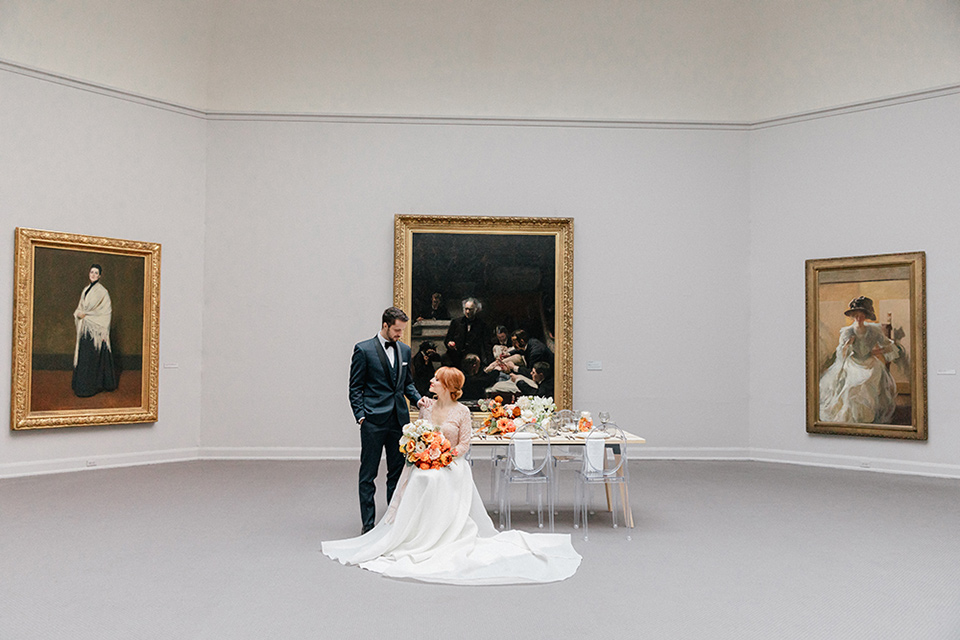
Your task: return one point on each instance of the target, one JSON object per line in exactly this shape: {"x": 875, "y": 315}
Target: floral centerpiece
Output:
{"x": 504, "y": 419}
{"x": 423, "y": 445}
{"x": 536, "y": 409}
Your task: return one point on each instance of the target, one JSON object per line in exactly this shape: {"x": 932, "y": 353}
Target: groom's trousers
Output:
{"x": 374, "y": 438}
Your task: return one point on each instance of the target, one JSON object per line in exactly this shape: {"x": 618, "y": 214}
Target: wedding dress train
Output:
{"x": 437, "y": 530}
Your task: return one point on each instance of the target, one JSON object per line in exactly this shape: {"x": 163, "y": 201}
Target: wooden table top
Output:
{"x": 562, "y": 439}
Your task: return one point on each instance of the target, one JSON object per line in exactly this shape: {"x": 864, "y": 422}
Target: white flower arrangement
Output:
{"x": 535, "y": 408}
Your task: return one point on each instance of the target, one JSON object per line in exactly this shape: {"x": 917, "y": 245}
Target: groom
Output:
{"x": 379, "y": 379}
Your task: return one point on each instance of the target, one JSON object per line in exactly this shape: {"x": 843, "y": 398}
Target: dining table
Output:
{"x": 571, "y": 439}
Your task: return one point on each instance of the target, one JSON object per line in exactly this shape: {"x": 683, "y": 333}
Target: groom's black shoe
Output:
{"x": 366, "y": 528}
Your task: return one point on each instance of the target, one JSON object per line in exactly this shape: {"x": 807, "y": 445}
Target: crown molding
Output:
{"x": 100, "y": 89}
{"x": 855, "y": 107}
{"x": 480, "y": 121}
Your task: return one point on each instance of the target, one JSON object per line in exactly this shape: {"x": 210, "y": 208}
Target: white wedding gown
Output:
{"x": 437, "y": 530}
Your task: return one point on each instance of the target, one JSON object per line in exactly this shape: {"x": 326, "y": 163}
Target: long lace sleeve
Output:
{"x": 465, "y": 431}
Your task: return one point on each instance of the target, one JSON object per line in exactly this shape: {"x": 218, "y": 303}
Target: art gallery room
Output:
{"x": 731, "y": 225}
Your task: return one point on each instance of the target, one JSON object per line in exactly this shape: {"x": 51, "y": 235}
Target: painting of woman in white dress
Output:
{"x": 858, "y": 386}
{"x": 93, "y": 365}
{"x": 866, "y": 346}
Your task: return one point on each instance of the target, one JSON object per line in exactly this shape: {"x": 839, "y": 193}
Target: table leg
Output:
{"x": 624, "y": 493}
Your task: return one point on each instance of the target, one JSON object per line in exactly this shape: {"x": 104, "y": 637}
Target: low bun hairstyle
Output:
{"x": 452, "y": 380}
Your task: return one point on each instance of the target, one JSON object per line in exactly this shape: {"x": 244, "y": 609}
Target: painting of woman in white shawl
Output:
{"x": 857, "y": 387}
{"x": 93, "y": 366}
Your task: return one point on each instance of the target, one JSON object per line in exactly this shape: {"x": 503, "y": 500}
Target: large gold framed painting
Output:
{"x": 86, "y": 331}
{"x": 491, "y": 296}
{"x": 866, "y": 346}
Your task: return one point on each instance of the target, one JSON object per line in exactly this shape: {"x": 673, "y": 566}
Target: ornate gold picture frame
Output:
{"x": 866, "y": 346}
{"x": 86, "y": 331}
{"x": 519, "y": 271}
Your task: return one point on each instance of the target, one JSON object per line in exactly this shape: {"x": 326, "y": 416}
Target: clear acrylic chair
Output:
{"x": 604, "y": 463}
{"x": 564, "y": 455}
{"x": 529, "y": 464}
{"x": 498, "y": 458}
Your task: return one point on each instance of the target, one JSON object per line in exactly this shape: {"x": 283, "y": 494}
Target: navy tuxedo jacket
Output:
{"x": 376, "y": 391}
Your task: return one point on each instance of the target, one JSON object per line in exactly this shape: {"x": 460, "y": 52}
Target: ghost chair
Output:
{"x": 604, "y": 463}
{"x": 529, "y": 464}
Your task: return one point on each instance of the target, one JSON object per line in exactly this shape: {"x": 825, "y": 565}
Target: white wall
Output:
{"x": 79, "y": 162}
{"x": 701, "y": 229}
{"x": 299, "y": 264}
{"x": 818, "y": 54}
{"x": 565, "y": 58}
{"x": 155, "y": 49}
{"x": 690, "y": 60}
{"x": 879, "y": 181}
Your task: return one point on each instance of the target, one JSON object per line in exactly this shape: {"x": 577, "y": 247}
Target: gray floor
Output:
{"x": 721, "y": 550}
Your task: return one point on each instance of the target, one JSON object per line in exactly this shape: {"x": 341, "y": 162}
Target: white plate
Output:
{"x": 584, "y": 434}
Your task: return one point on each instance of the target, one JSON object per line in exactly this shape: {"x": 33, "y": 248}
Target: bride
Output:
{"x": 436, "y": 528}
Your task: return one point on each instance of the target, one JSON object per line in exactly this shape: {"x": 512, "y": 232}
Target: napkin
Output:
{"x": 596, "y": 446}
{"x": 523, "y": 450}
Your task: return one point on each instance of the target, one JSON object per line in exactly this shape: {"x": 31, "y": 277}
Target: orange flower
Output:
{"x": 498, "y": 399}
{"x": 516, "y": 412}
{"x": 424, "y": 465}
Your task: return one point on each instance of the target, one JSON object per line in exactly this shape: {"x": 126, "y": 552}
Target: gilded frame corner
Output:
{"x": 407, "y": 226}
{"x": 904, "y": 271}
{"x": 23, "y": 415}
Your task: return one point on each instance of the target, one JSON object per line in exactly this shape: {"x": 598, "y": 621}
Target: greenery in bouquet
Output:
{"x": 424, "y": 446}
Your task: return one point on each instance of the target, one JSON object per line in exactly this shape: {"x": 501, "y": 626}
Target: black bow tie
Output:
{"x": 389, "y": 343}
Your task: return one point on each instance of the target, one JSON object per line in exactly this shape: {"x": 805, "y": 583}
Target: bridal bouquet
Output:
{"x": 423, "y": 445}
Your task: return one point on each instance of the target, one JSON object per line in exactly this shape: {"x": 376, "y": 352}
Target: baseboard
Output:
{"x": 636, "y": 452}
{"x": 858, "y": 463}
{"x": 643, "y": 452}
{"x": 94, "y": 462}
{"x": 279, "y": 453}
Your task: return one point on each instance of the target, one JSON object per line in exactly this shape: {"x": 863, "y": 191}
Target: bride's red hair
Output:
{"x": 452, "y": 380}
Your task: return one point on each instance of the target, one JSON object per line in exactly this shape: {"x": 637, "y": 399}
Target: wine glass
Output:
{"x": 604, "y": 417}
{"x": 551, "y": 425}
